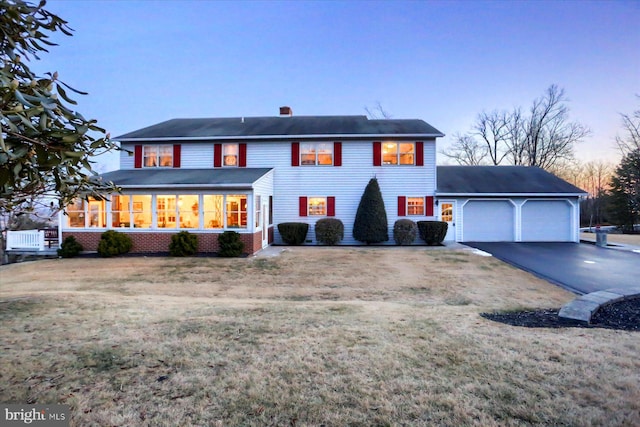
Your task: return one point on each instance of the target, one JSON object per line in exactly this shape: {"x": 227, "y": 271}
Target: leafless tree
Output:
{"x": 630, "y": 140}
{"x": 544, "y": 137}
{"x": 466, "y": 150}
{"x": 377, "y": 112}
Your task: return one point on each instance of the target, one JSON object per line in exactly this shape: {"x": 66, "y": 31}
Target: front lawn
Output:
{"x": 315, "y": 336}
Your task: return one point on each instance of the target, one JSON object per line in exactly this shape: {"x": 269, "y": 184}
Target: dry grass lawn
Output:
{"x": 315, "y": 336}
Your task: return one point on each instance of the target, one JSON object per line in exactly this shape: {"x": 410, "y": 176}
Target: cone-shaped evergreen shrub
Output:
{"x": 370, "y": 225}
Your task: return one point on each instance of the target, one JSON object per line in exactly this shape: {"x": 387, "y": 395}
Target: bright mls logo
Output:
{"x": 37, "y": 415}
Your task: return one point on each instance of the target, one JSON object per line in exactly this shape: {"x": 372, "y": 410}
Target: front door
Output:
{"x": 447, "y": 214}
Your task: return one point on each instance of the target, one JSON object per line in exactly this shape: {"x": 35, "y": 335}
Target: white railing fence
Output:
{"x": 25, "y": 239}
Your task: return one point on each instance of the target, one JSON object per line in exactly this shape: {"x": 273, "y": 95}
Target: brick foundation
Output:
{"x": 158, "y": 242}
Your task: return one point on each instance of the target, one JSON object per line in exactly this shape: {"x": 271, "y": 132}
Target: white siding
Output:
{"x": 196, "y": 155}
{"x": 346, "y": 183}
{"x": 488, "y": 221}
{"x": 533, "y": 220}
{"x": 547, "y": 221}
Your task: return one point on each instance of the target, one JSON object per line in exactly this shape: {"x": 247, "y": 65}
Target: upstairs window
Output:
{"x": 394, "y": 153}
{"x": 320, "y": 154}
{"x": 157, "y": 156}
{"x": 230, "y": 154}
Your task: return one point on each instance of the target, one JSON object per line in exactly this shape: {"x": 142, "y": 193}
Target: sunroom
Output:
{"x": 153, "y": 205}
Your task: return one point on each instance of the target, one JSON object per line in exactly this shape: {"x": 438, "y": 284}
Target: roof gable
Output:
{"x": 501, "y": 180}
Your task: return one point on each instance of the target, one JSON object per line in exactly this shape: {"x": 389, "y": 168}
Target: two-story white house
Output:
{"x": 248, "y": 174}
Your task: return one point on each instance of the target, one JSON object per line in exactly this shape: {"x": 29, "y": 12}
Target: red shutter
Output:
{"x": 331, "y": 206}
{"x": 337, "y": 154}
{"x": 137, "y": 157}
{"x": 419, "y": 153}
{"x": 402, "y": 206}
{"x": 242, "y": 154}
{"x": 217, "y": 155}
{"x": 377, "y": 153}
{"x": 295, "y": 154}
{"x": 429, "y": 205}
{"x": 176, "y": 155}
{"x": 302, "y": 206}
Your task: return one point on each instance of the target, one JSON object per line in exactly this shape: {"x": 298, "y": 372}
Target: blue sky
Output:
{"x": 144, "y": 62}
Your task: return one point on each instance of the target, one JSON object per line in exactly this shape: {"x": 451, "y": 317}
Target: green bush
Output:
{"x": 70, "y": 247}
{"x": 432, "y": 232}
{"x": 183, "y": 244}
{"x": 230, "y": 244}
{"x": 405, "y": 231}
{"x": 293, "y": 233}
{"x": 370, "y": 225}
{"x": 114, "y": 243}
{"x": 329, "y": 231}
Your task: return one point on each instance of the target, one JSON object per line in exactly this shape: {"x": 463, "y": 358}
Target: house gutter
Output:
{"x": 476, "y": 195}
{"x": 281, "y": 137}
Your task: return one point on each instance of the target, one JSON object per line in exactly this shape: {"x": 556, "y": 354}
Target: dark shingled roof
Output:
{"x": 501, "y": 180}
{"x": 159, "y": 177}
{"x": 280, "y": 126}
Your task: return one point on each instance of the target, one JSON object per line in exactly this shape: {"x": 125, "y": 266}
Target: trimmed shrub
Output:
{"x": 433, "y": 232}
{"x": 329, "y": 231}
{"x": 114, "y": 243}
{"x": 70, "y": 247}
{"x": 293, "y": 233}
{"x": 370, "y": 225}
{"x": 183, "y": 244}
{"x": 405, "y": 231}
{"x": 230, "y": 244}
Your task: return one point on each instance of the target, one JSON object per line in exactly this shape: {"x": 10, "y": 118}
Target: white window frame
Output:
{"x": 307, "y": 147}
{"x": 230, "y": 159}
{"x": 408, "y": 206}
{"x": 313, "y": 211}
{"x": 398, "y": 153}
{"x": 160, "y": 149}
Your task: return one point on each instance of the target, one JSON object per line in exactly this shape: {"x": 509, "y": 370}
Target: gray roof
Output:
{"x": 185, "y": 178}
{"x": 260, "y": 127}
{"x": 501, "y": 180}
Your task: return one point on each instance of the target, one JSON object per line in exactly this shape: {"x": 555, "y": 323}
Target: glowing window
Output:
{"x": 394, "y": 153}
{"x": 317, "y": 206}
{"x": 316, "y": 154}
{"x": 157, "y": 156}
{"x": 230, "y": 155}
{"x": 415, "y": 205}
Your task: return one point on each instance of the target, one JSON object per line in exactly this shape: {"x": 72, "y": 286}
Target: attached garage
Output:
{"x": 546, "y": 221}
{"x": 488, "y": 221}
{"x": 509, "y": 204}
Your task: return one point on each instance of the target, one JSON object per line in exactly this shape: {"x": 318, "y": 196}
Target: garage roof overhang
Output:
{"x": 493, "y": 195}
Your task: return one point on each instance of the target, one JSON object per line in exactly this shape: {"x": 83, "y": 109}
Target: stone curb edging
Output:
{"x": 585, "y": 306}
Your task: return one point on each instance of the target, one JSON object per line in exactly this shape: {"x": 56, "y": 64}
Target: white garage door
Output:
{"x": 488, "y": 221}
{"x": 546, "y": 221}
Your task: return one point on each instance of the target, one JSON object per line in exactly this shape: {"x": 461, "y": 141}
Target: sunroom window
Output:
{"x": 236, "y": 207}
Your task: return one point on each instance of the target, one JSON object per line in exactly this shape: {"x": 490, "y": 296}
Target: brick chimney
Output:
{"x": 286, "y": 111}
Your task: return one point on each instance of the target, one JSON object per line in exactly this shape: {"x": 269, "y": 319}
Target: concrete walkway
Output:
{"x": 584, "y": 307}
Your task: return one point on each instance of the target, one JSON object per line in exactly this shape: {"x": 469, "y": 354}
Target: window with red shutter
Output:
{"x": 402, "y": 206}
{"x": 337, "y": 154}
{"x": 176, "y": 155}
{"x": 429, "y": 205}
{"x": 295, "y": 154}
{"x": 217, "y": 155}
{"x": 377, "y": 153}
{"x": 137, "y": 156}
{"x": 242, "y": 153}
{"x": 419, "y": 153}
{"x": 331, "y": 206}
{"x": 302, "y": 206}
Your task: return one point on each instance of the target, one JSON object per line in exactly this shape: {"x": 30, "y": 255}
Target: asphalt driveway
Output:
{"x": 579, "y": 267}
